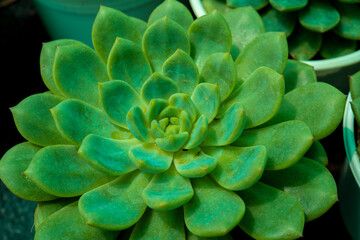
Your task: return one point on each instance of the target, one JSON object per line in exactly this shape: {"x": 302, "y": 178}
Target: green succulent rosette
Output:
{"x": 314, "y": 28}
{"x": 159, "y": 133}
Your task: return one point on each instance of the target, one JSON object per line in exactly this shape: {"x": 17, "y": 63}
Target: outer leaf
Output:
{"x": 168, "y": 190}
{"x": 315, "y": 190}
{"x": 349, "y": 25}
{"x": 53, "y": 227}
{"x": 60, "y": 171}
{"x": 245, "y": 24}
{"x": 34, "y": 120}
{"x": 160, "y": 225}
{"x": 198, "y": 134}
{"x": 327, "y": 107}
{"x": 182, "y": 70}
{"x": 238, "y": 168}
{"x": 213, "y": 211}
{"x": 158, "y": 86}
{"x": 110, "y": 24}
{"x": 127, "y": 62}
{"x": 304, "y": 44}
{"x": 209, "y": 34}
{"x": 335, "y": 46}
{"x": 264, "y": 89}
{"x": 47, "y": 59}
{"x": 13, "y": 164}
{"x": 317, "y": 152}
{"x": 77, "y": 70}
{"x": 206, "y": 98}
{"x": 162, "y": 39}
{"x": 194, "y": 163}
{"x": 175, "y": 11}
{"x": 116, "y": 205}
{"x": 297, "y": 73}
{"x": 263, "y": 205}
{"x": 275, "y": 57}
{"x": 285, "y": 5}
{"x": 285, "y": 142}
{"x": 257, "y": 4}
{"x": 276, "y": 21}
{"x": 108, "y": 155}
{"x": 75, "y": 120}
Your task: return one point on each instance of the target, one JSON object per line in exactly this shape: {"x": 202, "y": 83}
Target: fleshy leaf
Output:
{"x": 76, "y": 119}
{"x": 77, "y": 69}
{"x": 173, "y": 142}
{"x": 349, "y": 25}
{"x": 263, "y": 205}
{"x": 158, "y": 86}
{"x": 184, "y": 102}
{"x": 245, "y": 24}
{"x": 238, "y": 167}
{"x": 162, "y": 39}
{"x": 285, "y": 142}
{"x": 108, "y": 155}
{"x": 160, "y": 225}
{"x": 276, "y": 21}
{"x": 297, "y": 73}
{"x": 155, "y": 107}
{"x": 60, "y": 171}
{"x": 137, "y": 124}
{"x": 212, "y": 5}
{"x": 110, "y": 24}
{"x": 209, "y": 34}
{"x": 127, "y": 62}
{"x": 175, "y": 11}
{"x": 335, "y": 46}
{"x": 116, "y": 205}
{"x": 355, "y": 106}
{"x": 213, "y": 211}
{"x": 156, "y": 130}
{"x": 141, "y": 25}
{"x": 264, "y": 89}
{"x": 355, "y": 85}
{"x": 319, "y": 16}
{"x": 315, "y": 190}
{"x": 47, "y": 59}
{"x": 190, "y": 236}
{"x": 287, "y": 6}
{"x": 323, "y": 117}
{"x": 317, "y": 152}
{"x": 275, "y": 57}
{"x": 117, "y": 98}
{"x": 15, "y": 161}
{"x": 194, "y": 163}
{"x": 150, "y": 158}
{"x": 182, "y": 70}
{"x": 53, "y": 227}
{"x": 34, "y": 120}
{"x": 257, "y": 4}
{"x": 168, "y": 190}
{"x": 219, "y": 69}
{"x": 206, "y": 98}
{"x": 228, "y": 127}
{"x": 184, "y": 122}
{"x": 198, "y": 134}
{"x": 304, "y": 44}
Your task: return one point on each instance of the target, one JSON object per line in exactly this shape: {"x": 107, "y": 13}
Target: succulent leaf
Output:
{"x": 287, "y": 6}
{"x": 184, "y": 102}
{"x": 184, "y": 122}
{"x": 257, "y": 4}
{"x": 297, "y": 74}
{"x": 110, "y": 24}
{"x": 275, "y": 57}
{"x": 140, "y": 24}
{"x": 285, "y": 142}
{"x": 155, "y": 107}
{"x": 316, "y": 190}
{"x": 172, "y": 142}
{"x": 13, "y": 164}
{"x": 137, "y": 124}
{"x": 52, "y": 227}
{"x": 238, "y": 168}
{"x": 206, "y": 98}
{"x": 209, "y": 34}
{"x": 263, "y": 205}
{"x": 108, "y": 155}
{"x": 102, "y": 206}
{"x": 160, "y": 225}
{"x": 349, "y": 25}
{"x": 213, "y": 211}
{"x": 76, "y": 119}
{"x": 158, "y": 86}
{"x": 317, "y": 152}
{"x": 304, "y": 44}
{"x": 198, "y": 134}
{"x": 167, "y": 190}
{"x": 127, "y": 62}
{"x": 355, "y": 85}
{"x": 77, "y": 69}
{"x": 34, "y": 120}
{"x": 162, "y": 39}
{"x": 60, "y": 171}
{"x": 276, "y": 21}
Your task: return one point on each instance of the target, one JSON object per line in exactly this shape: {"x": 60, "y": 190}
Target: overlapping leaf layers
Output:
{"x": 331, "y": 28}
{"x": 160, "y": 129}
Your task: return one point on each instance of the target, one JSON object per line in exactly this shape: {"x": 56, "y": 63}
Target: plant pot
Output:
{"x": 349, "y": 184}
{"x": 73, "y": 19}
{"x": 334, "y": 71}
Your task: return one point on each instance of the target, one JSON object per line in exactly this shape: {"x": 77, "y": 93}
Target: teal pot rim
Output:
{"x": 319, "y": 65}
{"x": 349, "y": 140}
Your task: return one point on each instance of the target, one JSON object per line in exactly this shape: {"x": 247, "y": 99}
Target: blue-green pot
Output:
{"x": 74, "y": 18}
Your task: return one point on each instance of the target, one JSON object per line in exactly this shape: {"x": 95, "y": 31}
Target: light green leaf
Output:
{"x": 206, "y": 98}
{"x": 158, "y": 86}
{"x": 155, "y": 107}
{"x": 198, "y": 133}
{"x": 184, "y": 102}
{"x": 297, "y": 74}
{"x": 141, "y": 25}
{"x": 137, "y": 124}
{"x": 173, "y": 142}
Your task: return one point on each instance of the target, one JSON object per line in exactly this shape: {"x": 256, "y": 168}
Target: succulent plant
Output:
{"x": 160, "y": 133}
{"x": 355, "y": 103}
{"x": 330, "y": 28}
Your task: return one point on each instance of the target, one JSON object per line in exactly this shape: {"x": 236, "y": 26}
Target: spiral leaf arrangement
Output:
{"x": 331, "y": 28}
{"x": 160, "y": 133}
